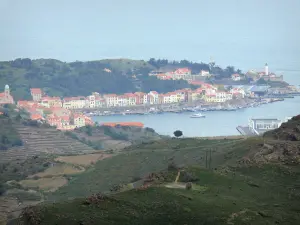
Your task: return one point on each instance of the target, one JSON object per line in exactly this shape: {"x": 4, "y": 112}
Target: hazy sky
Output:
{"x": 175, "y": 29}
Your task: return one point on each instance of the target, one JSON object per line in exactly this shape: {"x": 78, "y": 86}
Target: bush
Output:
{"x": 188, "y": 186}
{"x": 172, "y": 166}
{"x": 151, "y": 130}
{"x": 188, "y": 177}
{"x": 2, "y": 189}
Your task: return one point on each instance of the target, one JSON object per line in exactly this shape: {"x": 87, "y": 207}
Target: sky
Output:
{"x": 238, "y": 32}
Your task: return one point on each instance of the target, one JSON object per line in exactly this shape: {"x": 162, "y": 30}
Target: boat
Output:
{"x": 197, "y": 115}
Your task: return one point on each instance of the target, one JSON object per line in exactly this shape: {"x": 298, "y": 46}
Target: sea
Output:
{"x": 219, "y": 123}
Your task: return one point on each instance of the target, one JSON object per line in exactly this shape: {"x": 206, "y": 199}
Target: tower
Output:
{"x": 266, "y": 69}
{"x": 6, "y": 91}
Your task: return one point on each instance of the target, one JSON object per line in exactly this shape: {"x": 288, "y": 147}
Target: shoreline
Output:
{"x": 199, "y": 106}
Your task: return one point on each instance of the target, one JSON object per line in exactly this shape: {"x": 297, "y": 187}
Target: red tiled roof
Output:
{"x": 110, "y": 95}
{"x": 129, "y": 95}
{"x": 78, "y": 116}
{"x": 36, "y": 117}
{"x": 74, "y": 98}
{"x": 182, "y": 70}
{"x": 47, "y": 98}
{"x": 36, "y": 91}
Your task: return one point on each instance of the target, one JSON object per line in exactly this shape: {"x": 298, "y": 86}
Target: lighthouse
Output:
{"x": 266, "y": 69}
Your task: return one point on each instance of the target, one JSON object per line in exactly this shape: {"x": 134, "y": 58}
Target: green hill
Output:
{"x": 81, "y": 78}
{"x": 245, "y": 181}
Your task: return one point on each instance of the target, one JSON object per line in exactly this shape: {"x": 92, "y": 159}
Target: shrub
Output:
{"x": 2, "y": 189}
{"x": 188, "y": 177}
{"x": 172, "y": 166}
{"x": 148, "y": 129}
{"x": 188, "y": 186}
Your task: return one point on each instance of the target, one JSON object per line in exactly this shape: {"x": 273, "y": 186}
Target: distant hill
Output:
{"x": 104, "y": 76}
{"x": 81, "y": 78}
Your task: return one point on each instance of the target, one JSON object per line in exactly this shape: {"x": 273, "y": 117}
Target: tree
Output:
{"x": 261, "y": 81}
{"x": 178, "y": 133}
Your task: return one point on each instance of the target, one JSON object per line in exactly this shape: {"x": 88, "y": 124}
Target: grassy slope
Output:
{"x": 234, "y": 191}
{"x": 226, "y": 200}
{"x": 140, "y": 160}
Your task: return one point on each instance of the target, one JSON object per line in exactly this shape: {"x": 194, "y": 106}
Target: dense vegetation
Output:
{"x": 9, "y": 136}
{"x": 195, "y": 67}
{"x": 81, "y": 78}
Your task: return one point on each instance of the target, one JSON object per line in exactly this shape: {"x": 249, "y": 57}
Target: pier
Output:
{"x": 245, "y": 131}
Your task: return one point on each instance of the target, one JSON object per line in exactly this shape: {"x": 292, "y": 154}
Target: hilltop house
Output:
{"x": 5, "y": 97}
{"x": 36, "y": 94}
{"x": 205, "y": 73}
{"x": 236, "y": 77}
{"x": 181, "y": 73}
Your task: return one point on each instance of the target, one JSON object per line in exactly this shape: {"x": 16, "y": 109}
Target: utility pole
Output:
{"x": 206, "y": 159}
{"x": 210, "y": 159}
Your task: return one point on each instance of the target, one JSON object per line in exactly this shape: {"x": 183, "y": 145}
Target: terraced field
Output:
{"x": 37, "y": 141}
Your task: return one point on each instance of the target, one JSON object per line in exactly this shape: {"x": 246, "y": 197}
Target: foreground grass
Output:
{"x": 241, "y": 197}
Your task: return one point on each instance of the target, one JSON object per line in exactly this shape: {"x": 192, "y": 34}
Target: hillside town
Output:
{"x": 63, "y": 112}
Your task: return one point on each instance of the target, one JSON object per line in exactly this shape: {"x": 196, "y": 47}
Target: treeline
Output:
{"x": 118, "y": 76}
{"x": 196, "y": 67}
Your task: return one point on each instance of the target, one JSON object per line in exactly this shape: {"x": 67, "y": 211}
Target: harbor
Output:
{"x": 183, "y": 107}
{"x": 216, "y": 122}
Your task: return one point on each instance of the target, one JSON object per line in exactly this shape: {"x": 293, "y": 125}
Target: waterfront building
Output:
{"x": 90, "y": 101}
{"x": 261, "y": 125}
{"x": 131, "y": 99}
{"x": 259, "y": 90}
{"x": 5, "y": 97}
{"x": 220, "y": 96}
{"x": 99, "y": 102}
{"x": 153, "y": 98}
{"x": 111, "y": 100}
{"x": 74, "y": 102}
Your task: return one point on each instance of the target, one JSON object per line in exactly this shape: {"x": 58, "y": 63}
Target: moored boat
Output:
{"x": 197, "y": 115}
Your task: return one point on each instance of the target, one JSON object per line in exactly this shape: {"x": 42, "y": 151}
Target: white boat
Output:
{"x": 197, "y": 115}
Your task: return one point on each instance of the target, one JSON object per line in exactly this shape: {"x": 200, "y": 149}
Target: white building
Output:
{"x": 261, "y": 125}
{"x": 91, "y": 101}
{"x": 236, "y": 77}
